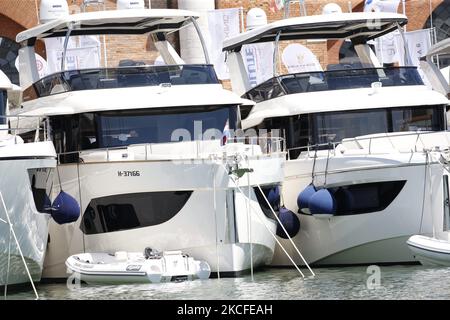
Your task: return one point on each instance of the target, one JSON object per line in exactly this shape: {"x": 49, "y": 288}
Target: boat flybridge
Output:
{"x": 147, "y": 150}
{"x": 367, "y": 146}
{"x": 27, "y": 178}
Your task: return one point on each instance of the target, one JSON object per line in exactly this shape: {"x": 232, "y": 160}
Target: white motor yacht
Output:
{"x": 148, "y": 153}
{"x": 26, "y": 169}
{"x": 366, "y": 142}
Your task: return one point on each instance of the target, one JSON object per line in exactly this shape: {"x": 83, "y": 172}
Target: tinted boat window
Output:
{"x": 122, "y": 128}
{"x": 336, "y": 126}
{"x": 131, "y": 211}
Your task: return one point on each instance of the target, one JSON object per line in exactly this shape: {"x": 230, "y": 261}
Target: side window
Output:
{"x": 131, "y": 211}
{"x": 65, "y": 131}
{"x": 88, "y": 132}
{"x": 366, "y": 198}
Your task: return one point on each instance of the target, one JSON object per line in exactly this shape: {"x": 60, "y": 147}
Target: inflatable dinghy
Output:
{"x": 430, "y": 251}
{"x": 126, "y": 267}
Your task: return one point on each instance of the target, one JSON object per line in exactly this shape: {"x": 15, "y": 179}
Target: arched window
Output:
{"x": 441, "y": 21}
{"x": 9, "y": 51}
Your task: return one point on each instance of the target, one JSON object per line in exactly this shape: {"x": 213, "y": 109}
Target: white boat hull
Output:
{"x": 430, "y": 251}
{"x": 214, "y": 232}
{"x": 30, "y": 225}
{"x": 369, "y": 238}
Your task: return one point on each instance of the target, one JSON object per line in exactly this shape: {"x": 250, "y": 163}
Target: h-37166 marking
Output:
{"x": 128, "y": 173}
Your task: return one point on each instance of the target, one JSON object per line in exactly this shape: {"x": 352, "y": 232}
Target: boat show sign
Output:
{"x": 298, "y": 58}
{"x": 222, "y": 24}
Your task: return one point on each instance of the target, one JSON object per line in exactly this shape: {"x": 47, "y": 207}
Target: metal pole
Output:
{"x": 275, "y": 53}
{"x": 215, "y": 220}
{"x": 404, "y": 11}
{"x": 268, "y": 229}
{"x": 285, "y": 231}
{"x": 241, "y": 10}
{"x": 66, "y": 43}
{"x": 202, "y": 40}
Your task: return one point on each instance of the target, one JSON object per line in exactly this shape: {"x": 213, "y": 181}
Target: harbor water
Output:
{"x": 385, "y": 282}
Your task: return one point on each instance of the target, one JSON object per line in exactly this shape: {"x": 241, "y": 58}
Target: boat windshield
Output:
{"x": 101, "y": 130}
{"x": 121, "y": 77}
{"x": 334, "y": 80}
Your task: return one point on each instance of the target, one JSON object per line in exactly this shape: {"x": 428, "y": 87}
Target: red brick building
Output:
{"x": 16, "y": 16}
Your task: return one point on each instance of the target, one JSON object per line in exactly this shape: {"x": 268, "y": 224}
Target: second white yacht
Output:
{"x": 367, "y": 143}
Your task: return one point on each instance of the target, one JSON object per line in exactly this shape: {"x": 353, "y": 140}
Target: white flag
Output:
{"x": 386, "y": 48}
{"x": 258, "y": 60}
{"x": 418, "y": 43}
{"x": 222, "y": 24}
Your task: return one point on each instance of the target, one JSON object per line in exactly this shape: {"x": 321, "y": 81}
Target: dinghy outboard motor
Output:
{"x": 65, "y": 209}
{"x": 149, "y": 253}
{"x": 290, "y": 222}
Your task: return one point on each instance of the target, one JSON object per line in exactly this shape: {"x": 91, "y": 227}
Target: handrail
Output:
{"x": 15, "y": 129}
{"x": 389, "y": 137}
{"x": 268, "y": 146}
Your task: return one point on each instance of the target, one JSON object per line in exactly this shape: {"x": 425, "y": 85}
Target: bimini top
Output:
{"x": 365, "y": 25}
{"x": 132, "y": 21}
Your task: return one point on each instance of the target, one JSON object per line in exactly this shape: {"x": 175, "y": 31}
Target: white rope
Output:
{"x": 215, "y": 222}
{"x": 18, "y": 245}
{"x": 268, "y": 229}
{"x": 431, "y": 194}
{"x": 249, "y": 221}
{"x": 287, "y": 234}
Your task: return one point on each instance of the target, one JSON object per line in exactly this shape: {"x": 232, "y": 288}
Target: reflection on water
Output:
{"x": 396, "y": 282}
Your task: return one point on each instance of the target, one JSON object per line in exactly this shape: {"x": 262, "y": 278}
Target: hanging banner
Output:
{"x": 381, "y": 5}
{"x": 258, "y": 60}
{"x": 82, "y": 53}
{"x": 298, "y": 58}
{"x": 418, "y": 43}
{"x": 386, "y": 48}
{"x": 222, "y": 24}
